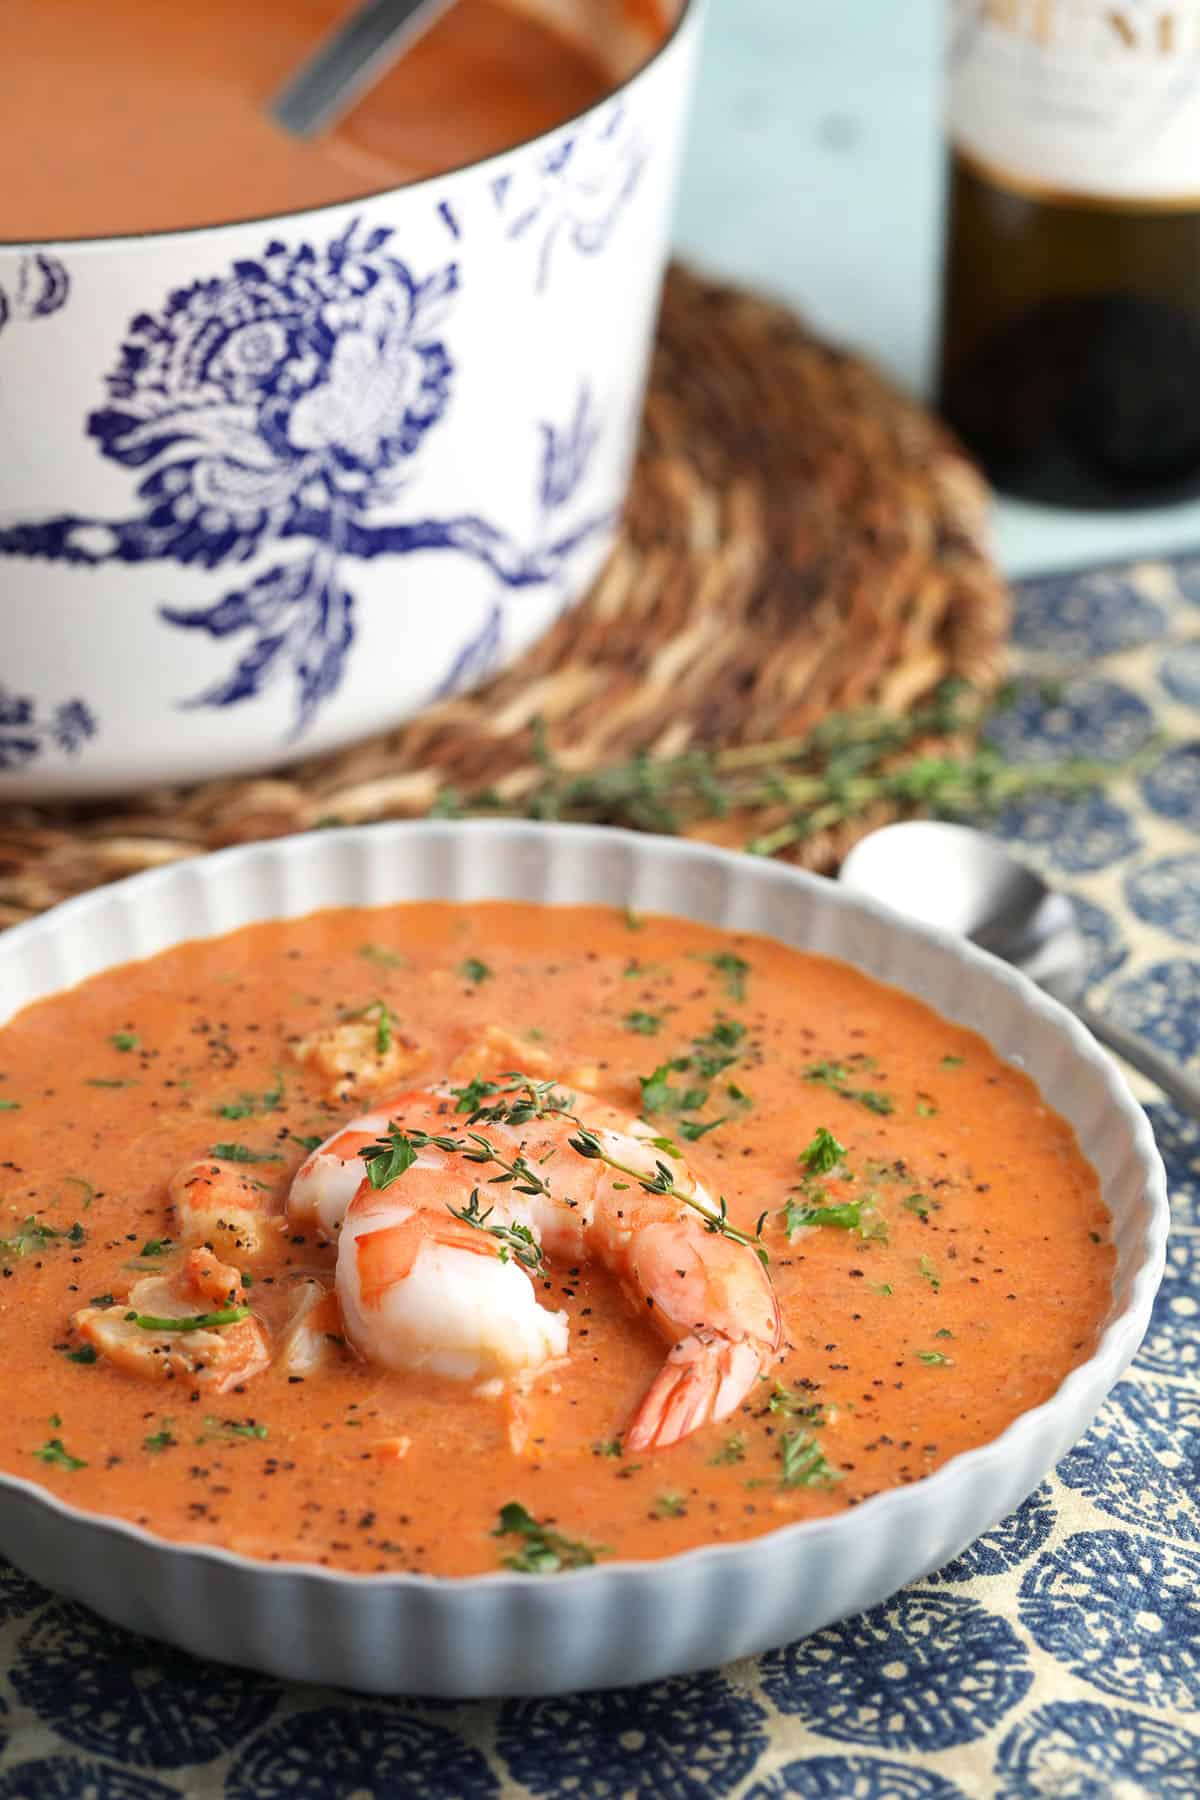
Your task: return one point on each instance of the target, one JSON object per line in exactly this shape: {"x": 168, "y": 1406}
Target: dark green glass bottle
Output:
{"x": 1070, "y": 345}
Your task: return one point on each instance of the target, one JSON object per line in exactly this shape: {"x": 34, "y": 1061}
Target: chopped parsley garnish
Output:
{"x": 232, "y": 1429}
{"x": 162, "y": 1439}
{"x": 543, "y": 1551}
{"x": 101, "y": 1082}
{"x": 247, "y": 1103}
{"x": 718, "y": 1050}
{"x": 306, "y": 1143}
{"x": 709, "y": 1056}
{"x": 786, "y": 1400}
{"x": 86, "y": 1354}
{"x": 209, "y": 1321}
{"x": 926, "y": 1109}
{"x": 881, "y": 1287}
{"x": 55, "y": 1453}
{"x": 733, "y": 1450}
{"x": 517, "y": 1241}
{"x": 474, "y": 971}
{"x": 669, "y": 1506}
{"x": 847, "y": 1215}
{"x": 691, "y": 1129}
{"x": 935, "y": 1358}
{"x": 102, "y": 1300}
{"x": 125, "y": 1040}
{"x": 610, "y": 1447}
{"x": 917, "y": 1203}
{"x": 929, "y": 1273}
{"x": 734, "y": 969}
{"x": 155, "y": 1247}
{"x": 943, "y": 1333}
{"x": 645, "y": 1024}
{"x": 823, "y": 1153}
{"x": 953, "y": 1062}
{"x": 381, "y": 956}
{"x": 10, "y": 1106}
{"x": 33, "y": 1234}
{"x": 242, "y": 1153}
{"x": 803, "y": 1462}
{"x": 658, "y": 1095}
{"x": 839, "y": 1078}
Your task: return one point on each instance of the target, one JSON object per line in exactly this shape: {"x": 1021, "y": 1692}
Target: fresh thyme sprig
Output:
{"x": 514, "y": 1240}
{"x": 586, "y": 1143}
{"x": 794, "y": 788}
{"x": 388, "y": 1158}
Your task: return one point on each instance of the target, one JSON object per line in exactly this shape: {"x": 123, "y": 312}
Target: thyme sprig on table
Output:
{"x": 791, "y": 789}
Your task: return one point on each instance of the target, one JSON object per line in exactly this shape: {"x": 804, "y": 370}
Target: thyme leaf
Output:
{"x": 515, "y": 1240}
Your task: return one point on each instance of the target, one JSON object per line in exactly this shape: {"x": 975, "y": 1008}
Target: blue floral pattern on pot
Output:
{"x": 41, "y": 286}
{"x": 25, "y": 732}
{"x": 576, "y": 191}
{"x": 1058, "y": 1655}
{"x": 283, "y": 406}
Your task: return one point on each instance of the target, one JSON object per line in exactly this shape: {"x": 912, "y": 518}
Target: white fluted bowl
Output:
{"x": 615, "y": 1623}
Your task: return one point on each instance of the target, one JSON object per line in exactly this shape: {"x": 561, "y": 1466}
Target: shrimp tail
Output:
{"x": 704, "y": 1378}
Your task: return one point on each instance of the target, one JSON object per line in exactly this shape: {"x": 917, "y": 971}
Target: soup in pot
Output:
{"x": 123, "y": 116}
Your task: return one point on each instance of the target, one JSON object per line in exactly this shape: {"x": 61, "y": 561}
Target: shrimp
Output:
{"x": 326, "y": 1181}
{"x": 218, "y": 1204}
{"x": 221, "y": 1353}
{"x": 431, "y": 1274}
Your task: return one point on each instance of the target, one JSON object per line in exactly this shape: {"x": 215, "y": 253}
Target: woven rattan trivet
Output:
{"x": 800, "y": 539}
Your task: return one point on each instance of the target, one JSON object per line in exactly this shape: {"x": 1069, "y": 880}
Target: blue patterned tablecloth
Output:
{"x": 1058, "y": 1657}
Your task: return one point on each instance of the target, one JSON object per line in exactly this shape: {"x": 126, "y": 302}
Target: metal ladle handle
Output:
{"x": 350, "y": 59}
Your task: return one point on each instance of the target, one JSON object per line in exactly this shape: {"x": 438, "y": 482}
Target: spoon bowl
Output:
{"x": 964, "y": 881}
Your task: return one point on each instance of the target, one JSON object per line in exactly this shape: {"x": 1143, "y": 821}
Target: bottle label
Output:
{"x": 1083, "y": 100}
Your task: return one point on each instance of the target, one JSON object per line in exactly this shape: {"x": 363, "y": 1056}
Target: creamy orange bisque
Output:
{"x": 458, "y": 1238}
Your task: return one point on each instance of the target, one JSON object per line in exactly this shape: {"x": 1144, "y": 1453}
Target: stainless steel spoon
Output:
{"x": 354, "y": 55}
{"x": 966, "y": 881}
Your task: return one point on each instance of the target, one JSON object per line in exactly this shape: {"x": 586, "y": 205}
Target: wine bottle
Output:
{"x": 1070, "y": 351}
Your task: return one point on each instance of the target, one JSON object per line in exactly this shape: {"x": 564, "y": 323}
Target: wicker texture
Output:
{"x": 799, "y": 539}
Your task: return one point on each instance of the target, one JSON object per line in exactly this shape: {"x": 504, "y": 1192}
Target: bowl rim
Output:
{"x": 689, "y": 11}
{"x": 1117, "y": 1344}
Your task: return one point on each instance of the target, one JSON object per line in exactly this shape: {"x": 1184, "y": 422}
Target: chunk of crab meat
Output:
{"x": 308, "y": 1337}
{"x": 217, "y": 1203}
{"x": 355, "y": 1057}
{"x": 500, "y": 1052}
{"x": 219, "y": 1356}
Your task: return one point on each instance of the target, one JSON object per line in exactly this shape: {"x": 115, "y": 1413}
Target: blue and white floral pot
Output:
{"x": 269, "y": 487}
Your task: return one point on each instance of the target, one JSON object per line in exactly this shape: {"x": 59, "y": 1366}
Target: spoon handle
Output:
{"x": 356, "y": 53}
{"x": 1183, "y": 1089}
